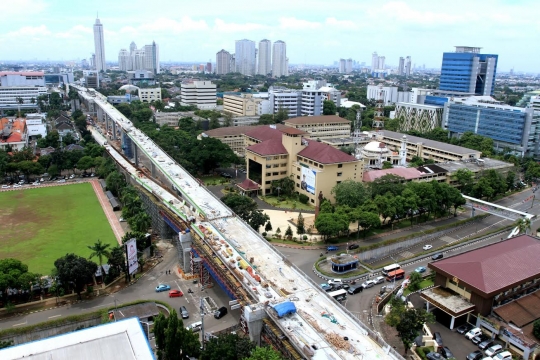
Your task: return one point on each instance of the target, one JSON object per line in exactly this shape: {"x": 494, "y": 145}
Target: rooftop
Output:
{"x": 228, "y": 131}
{"x": 248, "y": 185}
{"x": 481, "y": 268}
{"x": 266, "y": 132}
{"x": 22, "y": 73}
{"x": 323, "y": 119}
{"x": 521, "y": 311}
{"x": 474, "y": 166}
{"x": 123, "y": 339}
{"x": 324, "y": 153}
{"x": 447, "y": 299}
{"x": 429, "y": 143}
{"x": 268, "y": 147}
{"x": 407, "y": 173}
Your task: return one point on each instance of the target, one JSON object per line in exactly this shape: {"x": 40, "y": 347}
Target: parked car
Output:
{"x": 353, "y": 246}
{"x": 472, "y": 333}
{"x": 367, "y": 284}
{"x": 486, "y": 344}
{"x": 438, "y": 339}
{"x": 446, "y": 353}
{"x": 505, "y": 355}
{"x": 420, "y": 269}
{"x": 437, "y": 256}
{"x": 463, "y": 329}
{"x": 5, "y": 186}
{"x": 71, "y": 176}
{"x": 434, "y": 356}
{"x": 61, "y": 181}
{"x": 122, "y": 219}
{"x": 196, "y": 326}
{"x": 36, "y": 183}
{"x": 17, "y": 185}
{"x": 325, "y": 286}
{"x": 162, "y": 287}
{"x": 427, "y": 247}
{"x": 332, "y": 248}
{"x": 226, "y": 175}
{"x": 379, "y": 279}
{"x": 475, "y": 355}
{"x": 479, "y": 338}
{"x": 175, "y": 293}
{"x": 355, "y": 290}
{"x": 335, "y": 281}
{"x": 221, "y": 312}
{"x": 184, "y": 312}
{"x": 494, "y": 350}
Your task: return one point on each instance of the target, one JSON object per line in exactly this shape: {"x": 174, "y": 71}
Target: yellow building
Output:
{"x": 241, "y": 105}
{"x": 274, "y": 152}
{"x": 322, "y": 127}
{"x": 232, "y": 136}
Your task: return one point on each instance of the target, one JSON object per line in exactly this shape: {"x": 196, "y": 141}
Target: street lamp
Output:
{"x": 278, "y": 188}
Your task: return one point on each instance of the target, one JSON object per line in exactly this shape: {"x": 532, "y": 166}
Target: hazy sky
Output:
{"x": 316, "y": 31}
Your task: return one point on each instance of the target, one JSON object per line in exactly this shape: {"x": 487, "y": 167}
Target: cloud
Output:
{"x": 341, "y": 24}
{"x": 29, "y": 31}
{"x": 76, "y": 32}
{"x": 291, "y": 23}
{"x": 22, "y": 8}
{"x": 222, "y": 26}
{"x": 165, "y": 25}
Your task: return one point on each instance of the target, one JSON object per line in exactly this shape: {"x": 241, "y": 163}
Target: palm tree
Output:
{"x": 523, "y": 225}
{"x": 20, "y": 101}
{"x": 100, "y": 251}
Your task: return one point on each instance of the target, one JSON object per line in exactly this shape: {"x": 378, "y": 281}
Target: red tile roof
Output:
{"x": 249, "y": 184}
{"x": 522, "y": 311}
{"x": 324, "y": 154}
{"x": 322, "y": 119}
{"x": 266, "y": 132}
{"x": 268, "y": 147}
{"x": 292, "y": 131}
{"x": 228, "y": 131}
{"x": 496, "y": 267}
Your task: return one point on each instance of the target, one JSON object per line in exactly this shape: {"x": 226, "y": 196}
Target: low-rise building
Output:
{"x": 232, "y": 136}
{"x": 199, "y": 93}
{"x": 36, "y": 125}
{"x": 64, "y": 126}
{"x": 241, "y": 105}
{"x": 13, "y": 134}
{"x": 321, "y": 127}
{"x": 288, "y": 99}
{"x": 150, "y": 94}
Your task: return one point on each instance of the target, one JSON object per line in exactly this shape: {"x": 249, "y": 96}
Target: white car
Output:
{"x": 472, "y": 333}
{"x": 495, "y": 349}
{"x": 61, "y": 181}
{"x": 427, "y": 247}
{"x": 5, "y": 186}
{"x": 367, "y": 284}
{"x": 505, "y": 355}
{"x": 17, "y": 186}
{"x": 72, "y": 176}
{"x": 36, "y": 183}
{"x": 335, "y": 281}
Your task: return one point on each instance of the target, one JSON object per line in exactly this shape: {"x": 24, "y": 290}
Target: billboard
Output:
{"x": 308, "y": 180}
{"x": 131, "y": 251}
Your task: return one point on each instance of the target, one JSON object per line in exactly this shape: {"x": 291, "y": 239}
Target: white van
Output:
{"x": 379, "y": 279}
{"x": 196, "y": 326}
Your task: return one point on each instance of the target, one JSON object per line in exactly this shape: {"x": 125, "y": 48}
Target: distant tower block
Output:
{"x": 378, "y": 119}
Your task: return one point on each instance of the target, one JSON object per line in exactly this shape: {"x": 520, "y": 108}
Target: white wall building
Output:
{"x": 150, "y": 94}
{"x": 199, "y": 93}
{"x": 151, "y": 58}
{"x": 124, "y": 60}
{"x": 289, "y": 99}
{"x": 408, "y": 66}
{"x": 265, "y": 57}
{"x": 99, "y": 46}
{"x": 36, "y": 125}
{"x": 223, "y": 62}
{"x": 9, "y": 95}
{"x": 279, "y": 59}
{"x": 389, "y": 94}
{"x": 314, "y": 93}
{"x": 342, "y": 66}
{"x": 245, "y": 57}
{"x": 24, "y": 78}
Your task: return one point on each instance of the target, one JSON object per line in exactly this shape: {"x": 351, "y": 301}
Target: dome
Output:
{"x": 129, "y": 88}
{"x": 375, "y": 146}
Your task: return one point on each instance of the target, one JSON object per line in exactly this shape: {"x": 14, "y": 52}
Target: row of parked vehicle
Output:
{"x": 489, "y": 348}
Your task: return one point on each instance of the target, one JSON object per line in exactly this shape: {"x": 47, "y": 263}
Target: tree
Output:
{"x": 329, "y": 108}
{"x": 115, "y": 181}
{"x": 257, "y": 219}
{"x": 387, "y": 183}
{"x": 266, "y": 119}
{"x": 330, "y": 224}
{"x": 288, "y": 233}
{"x": 228, "y": 347}
{"x": 414, "y": 281}
{"x": 76, "y": 270}
{"x": 300, "y": 230}
{"x": 117, "y": 261}
{"x": 173, "y": 340}
{"x": 264, "y": 353}
{"x": 140, "y": 222}
{"x": 465, "y": 180}
{"x": 85, "y": 163}
{"x": 241, "y": 205}
{"x": 281, "y": 115}
{"x": 351, "y": 193}
{"x": 268, "y": 227}
{"x": 536, "y": 329}
{"x": 523, "y": 225}
{"x": 100, "y": 250}
{"x": 411, "y": 323}
{"x": 13, "y": 274}
{"x": 387, "y": 165}
{"x": 366, "y": 220}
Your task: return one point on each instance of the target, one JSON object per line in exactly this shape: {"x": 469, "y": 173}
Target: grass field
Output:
{"x": 39, "y": 225}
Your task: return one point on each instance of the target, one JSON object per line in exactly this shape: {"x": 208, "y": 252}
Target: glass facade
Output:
{"x": 435, "y": 100}
{"x": 497, "y": 124}
{"x": 468, "y": 72}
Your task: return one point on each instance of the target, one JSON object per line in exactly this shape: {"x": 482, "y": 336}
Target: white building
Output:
{"x": 289, "y": 99}
{"x": 199, "y": 93}
{"x": 124, "y": 60}
{"x": 342, "y": 66}
{"x": 279, "y": 59}
{"x": 245, "y": 57}
{"x": 314, "y": 93}
{"x": 99, "y": 45}
{"x": 36, "y": 125}
{"x": 223, "y": 62}
{"x": 348, "y": 66}
{"x": 24, "y": 78}
{"x": 24, "y": 85}
{"x": 408, "y": 66}
{"x": 137, "y": 60}
{"x": 151, "y": 58}
{"x": 149, "y": 95}
{"x": 388, "y": 94}
{"x": 132, "y": 47}
{"x": 263, "y": 106}
{"x": 265, "y": 57}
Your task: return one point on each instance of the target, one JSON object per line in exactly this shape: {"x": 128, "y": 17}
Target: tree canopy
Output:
{"x": 75, "y": 270}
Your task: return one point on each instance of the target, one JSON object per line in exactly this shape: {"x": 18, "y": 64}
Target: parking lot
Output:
{"x": 457, "y": 343}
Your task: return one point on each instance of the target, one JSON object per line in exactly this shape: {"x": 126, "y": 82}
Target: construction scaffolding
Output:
{"x": 273, "y": 336}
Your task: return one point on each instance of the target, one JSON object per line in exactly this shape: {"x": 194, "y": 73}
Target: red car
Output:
{"x": 175, "y": 293}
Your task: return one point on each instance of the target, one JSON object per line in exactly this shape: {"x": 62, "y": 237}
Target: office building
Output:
{"x": 99, "y": 46}
{"x": 321, "y": 127}
{"x": 150, "y": 94}
{"x": 124, "y": 60}
{"x": 418, "y": 117}
{"x": 132, "y": 47}
{"x": 241, "y": 105}
{"x": 510, "y": 127}
{"x": 265, "y": 57}
{"x": 466, "y": 70}
{"x": 388, "y": 94}
{"x": 314, "y": 93}
{"x": 137, "y": 60}
{"x": 245, "y": 57}
{"x": 283, "y": 98}
{"x": 223, "y": 62}
{"x": 151, "y": 58}
{"x": 342, "y": 66}
{"x": 27, "y": 86}
{"x": 24, "y": 78}
{"x": 408, "y": 66}
{"x": 279, "y": 59}
{"x": 348, "y": 66}
{"x": 401, "y": 67}
{"x": 199, "y": 93}
{"x": 233, "y": 136}
{"x": 36, "y": 125}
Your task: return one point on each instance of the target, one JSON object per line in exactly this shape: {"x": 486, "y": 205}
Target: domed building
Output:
{"x": 375, "y": 153}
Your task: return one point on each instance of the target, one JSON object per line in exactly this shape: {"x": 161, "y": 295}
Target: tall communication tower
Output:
{"x": 378, "y": 119}
{"x": 357, "y": 131}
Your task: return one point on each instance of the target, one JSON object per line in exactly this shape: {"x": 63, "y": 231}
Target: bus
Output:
{"x": 339, "y": 295}
{"x": 395, "y": 275}
{"x": 390, "y": 268}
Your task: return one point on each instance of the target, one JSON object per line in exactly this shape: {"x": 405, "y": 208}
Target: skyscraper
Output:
{"x": 265, "y": 57}
{"x": 99, "y": 45}
{"x": 245, "y": 57}
{"x": 374, "y": 62}
{"x": 408, "y": 66}
{"x": 466, "y": 70}
{"x": 124, "y": 60}
{"x": 342, "y": 66}
{"x": 401, "y": 66}
{"x": 223, "y": 62}
{"x": 151, "y": 58}
{"x": 132, "y": 47}
{"x": 348, "y": 66}
{"x": 279, "y": 59}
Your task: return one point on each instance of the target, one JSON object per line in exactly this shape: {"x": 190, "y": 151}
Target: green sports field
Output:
{"x": 39, "y": 225}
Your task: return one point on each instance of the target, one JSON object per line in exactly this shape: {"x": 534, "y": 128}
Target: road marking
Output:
{"x": 50, "y": 317}
{"x": 93, "y": 307}
{"x": 24, "y": 323}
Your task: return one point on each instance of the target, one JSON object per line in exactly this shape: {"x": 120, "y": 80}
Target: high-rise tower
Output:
{"x": 99, "y": 45}
{"x": 279, "y": 59}
{"x": 151, "y": 58}
{"x": 265, "y": 57}
{"x": 223, "y": 62}
{"x": 124, "y": 60}
{"x": 245, "y": 57}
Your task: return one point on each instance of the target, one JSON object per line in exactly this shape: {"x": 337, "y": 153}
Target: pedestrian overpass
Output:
{"x": 497, "y": 210}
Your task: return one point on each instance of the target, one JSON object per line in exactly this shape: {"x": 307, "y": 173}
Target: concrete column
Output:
{"x": 427, "y": 306}
{"x": 114, "y": 130}
{"x": 254, "y": 319}
{"x": 452, "y": 323}
{"x": 106, "y": 124}
{"x": 135, "y": 154}
{"x": 153, "y": 170}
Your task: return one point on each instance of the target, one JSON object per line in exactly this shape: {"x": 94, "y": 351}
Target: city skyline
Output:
{"x": 39, "y": 29}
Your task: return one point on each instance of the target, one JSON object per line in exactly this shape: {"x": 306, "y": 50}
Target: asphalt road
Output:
{"x": 144, "y": 289}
